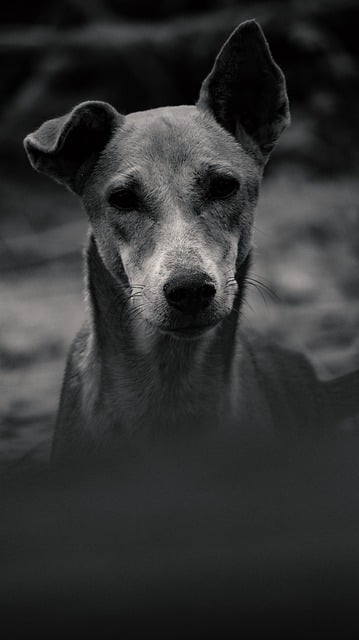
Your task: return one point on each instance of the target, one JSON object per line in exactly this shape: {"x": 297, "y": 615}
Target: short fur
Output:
{"x": 161, "y": 353}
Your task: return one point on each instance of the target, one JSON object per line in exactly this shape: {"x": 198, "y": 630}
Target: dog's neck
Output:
{"x": 139, "y": 363}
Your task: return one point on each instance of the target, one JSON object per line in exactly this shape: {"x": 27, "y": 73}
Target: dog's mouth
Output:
{"x": 191, "y": 324}
{"x": 191, "y": 328}
{"x": 190, "y": 332}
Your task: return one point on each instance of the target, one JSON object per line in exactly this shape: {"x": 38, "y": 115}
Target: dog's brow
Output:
{"x": 219, "y": 167}
{"x": 123, "y": 180}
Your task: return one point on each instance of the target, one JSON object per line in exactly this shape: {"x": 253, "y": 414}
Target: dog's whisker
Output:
{"x": 136, "y": 313}
{"x": 231, "y": 282}
{"x": 126, "y": 304}
{"x": 270, "y": 293}
{"x": 265, "y": 233}
{"x": 238, "y": 310}
{"x": 261, "y": 293}
{"x": 265, "y": 288}
{"x": 261, "y": 279}
{"x": 245, "y": 302}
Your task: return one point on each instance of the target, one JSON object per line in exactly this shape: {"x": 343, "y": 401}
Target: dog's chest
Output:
{"x": 161, "y": 397}
{"x": 172, "y": 395}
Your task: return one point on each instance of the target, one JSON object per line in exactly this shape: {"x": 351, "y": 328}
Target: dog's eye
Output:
{"x": 124, "y": 199}
{"x": 222, "y": 187}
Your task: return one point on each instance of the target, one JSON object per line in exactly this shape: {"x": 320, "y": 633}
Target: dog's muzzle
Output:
{"x": 189, "y": 293}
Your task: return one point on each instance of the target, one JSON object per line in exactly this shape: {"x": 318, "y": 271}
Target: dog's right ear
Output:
{"x": 67, "y": 147}
{"x": 246, "y": 91}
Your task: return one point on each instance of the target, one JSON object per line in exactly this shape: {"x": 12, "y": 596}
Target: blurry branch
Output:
{"x": 107, "y": 33}
{"x": 92, "y": 10}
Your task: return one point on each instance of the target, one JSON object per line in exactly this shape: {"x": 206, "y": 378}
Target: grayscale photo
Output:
{"x": 179, "y": 327}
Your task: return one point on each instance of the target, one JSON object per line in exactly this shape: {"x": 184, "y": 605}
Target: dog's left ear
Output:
{"x": 246, "y": 91}
{"x": 66, "y": 148}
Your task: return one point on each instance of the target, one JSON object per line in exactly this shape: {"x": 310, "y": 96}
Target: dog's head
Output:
{"x": 170, "y": 192}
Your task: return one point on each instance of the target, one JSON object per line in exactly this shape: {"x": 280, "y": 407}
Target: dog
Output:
{"x": 170, "y": 194}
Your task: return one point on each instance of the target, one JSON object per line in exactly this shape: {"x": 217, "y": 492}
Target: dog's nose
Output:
{"x": 189, "y": 293}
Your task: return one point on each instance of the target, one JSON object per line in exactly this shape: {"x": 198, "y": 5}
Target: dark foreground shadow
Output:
{"x": 212, "y": 539}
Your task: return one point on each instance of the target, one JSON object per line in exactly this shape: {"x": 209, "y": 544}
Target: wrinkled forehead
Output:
{"x": 173, "y": 139}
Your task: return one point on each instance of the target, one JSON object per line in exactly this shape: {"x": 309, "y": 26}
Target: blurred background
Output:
{"x": 259, "y": 536}
{"x": 138, "y": 55}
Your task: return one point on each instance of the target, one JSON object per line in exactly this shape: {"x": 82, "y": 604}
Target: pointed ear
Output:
{"x": 246, "y": 91}
{"x": 66, "y": 148}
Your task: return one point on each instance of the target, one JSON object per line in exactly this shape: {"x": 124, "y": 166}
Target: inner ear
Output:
{"x": 246, "y": 91}
{"x": 85, "y": 136}
{"x": 66, "y": 148}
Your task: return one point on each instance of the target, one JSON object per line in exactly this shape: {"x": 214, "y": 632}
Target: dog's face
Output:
{"x": 170, "y": 192}
{"x": 171, "y": 201}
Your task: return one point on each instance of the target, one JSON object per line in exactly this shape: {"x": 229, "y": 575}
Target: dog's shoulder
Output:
{"x": 79, "y": 393}
{"x": 288, "y": 384}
